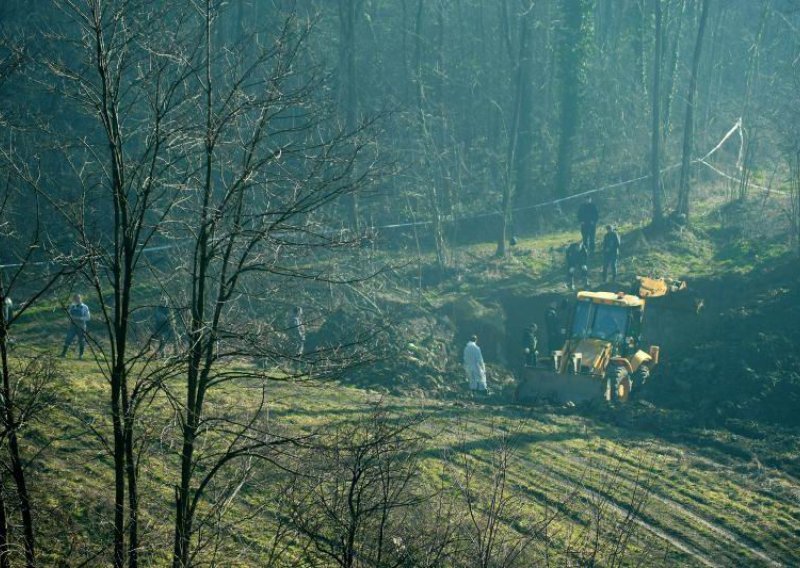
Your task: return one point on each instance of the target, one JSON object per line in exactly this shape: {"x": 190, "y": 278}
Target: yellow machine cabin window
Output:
{"x": 600, "y": 321}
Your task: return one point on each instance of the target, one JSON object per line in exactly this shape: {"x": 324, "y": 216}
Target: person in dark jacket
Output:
{"x": 577, "y": 263}
{"x": 530, "y": 345}
{"x": 164, "y": 328}
{"x": 588, "y": 217}
{"x": 611, "y": 244}
{"x": 553, "y": 324}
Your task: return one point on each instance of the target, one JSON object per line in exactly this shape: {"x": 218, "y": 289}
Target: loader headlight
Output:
{"x": 577, "y": 358}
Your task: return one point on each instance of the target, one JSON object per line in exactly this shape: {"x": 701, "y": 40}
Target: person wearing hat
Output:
{"x": 611, "y": 244}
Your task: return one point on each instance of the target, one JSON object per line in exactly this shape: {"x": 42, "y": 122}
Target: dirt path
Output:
{"x": 716, "y": 546}
{"x": 624, "y": 512}
{"x": 682, "y": 511}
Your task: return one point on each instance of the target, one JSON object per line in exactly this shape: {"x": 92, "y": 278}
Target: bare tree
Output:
{"x": 496, "y": 529}
{"x": 27, "y": 274}
{"x": 349, "y": 11}
{"x": 573, "y": 50}
{"x": 518, "y": 144}
{"x": 688, "y": 128}
{"x": 266, "y": 176}
{"x": 655, "y": 148}
{"x": 351, "y": 501}
{"x": 127, "y": 81}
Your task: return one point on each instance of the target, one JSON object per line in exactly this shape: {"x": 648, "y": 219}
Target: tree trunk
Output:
{"x": 688, "y": 129}
{"x": 10, "y": 423}
{"x": 513, "y": 140}
{"x": 523, "y": 155}
{"x": 4, "y": 549}
{"x": 197, "y": 332}
{"x": 573, "y": 51}
{"x": 119, "y": 470}
{"x": 669, "y": 88}
{"x": 655, "y": 150}
{"x": 122, "y": 274}
{"x": 429, "y": 146}
{"x": 131, "y": 475}
{"x": 348, "y": 95}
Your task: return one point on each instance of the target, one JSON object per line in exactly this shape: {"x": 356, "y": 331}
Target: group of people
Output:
{"x": 555, "y": 327}
{"x": 163, "y": 328}
{"x": 577, "y": 255}
{"x": 79, "y": 316}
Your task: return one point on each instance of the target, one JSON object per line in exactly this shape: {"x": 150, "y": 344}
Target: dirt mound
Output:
{"x": 741, "y": 359}
{"x": 409, "y": 346}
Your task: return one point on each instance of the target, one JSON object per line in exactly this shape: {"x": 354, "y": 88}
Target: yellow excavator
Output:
{"x": 602, "y": 356}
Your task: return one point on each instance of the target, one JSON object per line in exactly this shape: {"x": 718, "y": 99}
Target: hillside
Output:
{"x": 703, "y": 470}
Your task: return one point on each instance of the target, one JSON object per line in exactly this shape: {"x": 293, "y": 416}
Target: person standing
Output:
{"x": 611, "y": 245}
{"x": 577, "y": 263}
{"x": 8, "y": 309}
{"x": 553, "y": 325}
{"x": 474, "y": 366}
{"x": 297, "y": 331}
{"x": 79, "y": 317}
{"x": 164, "y": 327}
{"x": 588, "y": 217}
{"x": 530, "y": 345}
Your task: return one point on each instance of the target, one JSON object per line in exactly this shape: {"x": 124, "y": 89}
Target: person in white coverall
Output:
{"x": 474, "y": 366}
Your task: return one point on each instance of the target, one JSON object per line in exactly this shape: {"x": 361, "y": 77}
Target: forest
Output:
{"x": 304, "y": 283}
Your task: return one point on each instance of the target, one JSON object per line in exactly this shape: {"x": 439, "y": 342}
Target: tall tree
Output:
{"x": 655, "y": 148}
{"x": 270, "y": 168}
{"x": 573, "y": 51}
{"x": 688, "y": 128}
{"x": 431, "y": 146}
{"x": 675, "y": 56}
{"x": 519, "y": 143}
{"x": 131, "y": 135}
{"x": 348, "y": 81}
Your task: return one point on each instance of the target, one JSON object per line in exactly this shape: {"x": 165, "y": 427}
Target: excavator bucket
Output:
{"x": 667, "y": 294}
{"x": 657, "y": 287}
{"x": 542, "y": 384}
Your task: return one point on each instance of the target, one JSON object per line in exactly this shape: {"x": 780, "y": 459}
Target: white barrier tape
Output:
{"x": 736, "y": 127}
{"x": 21, "y": 264}
{"x": 749, "y": 185}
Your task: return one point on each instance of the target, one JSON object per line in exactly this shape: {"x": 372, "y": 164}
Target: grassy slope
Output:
{"x": 703, "y": 509}
{"x": 713, "y": 502}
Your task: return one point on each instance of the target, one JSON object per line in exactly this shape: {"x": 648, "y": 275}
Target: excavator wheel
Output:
{"x": 639, "y": 379}
{"x": 618, "y": 383}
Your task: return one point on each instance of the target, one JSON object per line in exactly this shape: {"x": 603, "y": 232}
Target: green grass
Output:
{"x": 717, "y": 497}
{"x": 722, "y": 511}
